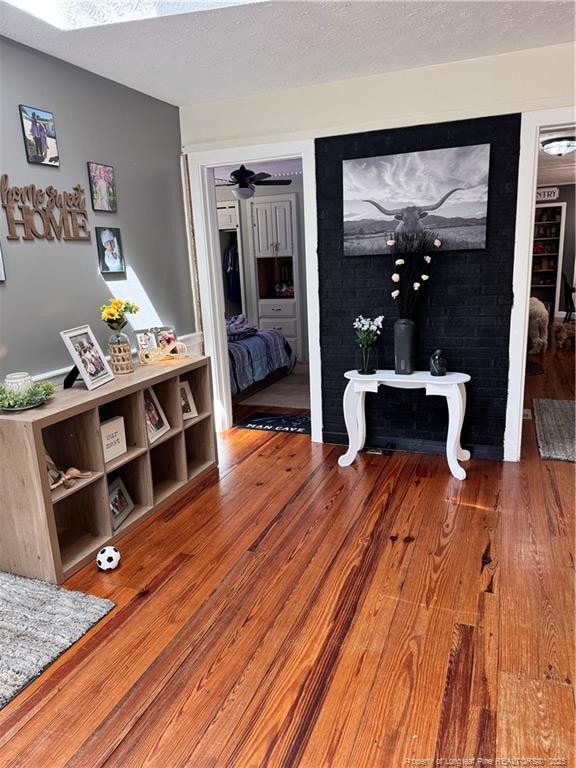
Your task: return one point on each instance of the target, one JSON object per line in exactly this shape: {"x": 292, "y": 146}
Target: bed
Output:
{"x": 255, "y": 356}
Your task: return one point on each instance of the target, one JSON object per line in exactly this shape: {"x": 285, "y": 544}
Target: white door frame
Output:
{"x": 532, "y": 123}
{"x": 209, "y": 268}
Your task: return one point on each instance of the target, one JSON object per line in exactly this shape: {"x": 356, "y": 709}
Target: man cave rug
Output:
{"x": 276, "y": 422}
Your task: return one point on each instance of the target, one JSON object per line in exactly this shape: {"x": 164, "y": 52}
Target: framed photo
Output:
{"x": 189, "y": 410}
{"x": 440, "y": 190}
{"x": 110, "y": 255}
{"x": 102, "y": 187}
{"x": 146, "y": 339}
{"x": 156, "y": 421}
{"x": 87, "y": 355}
{"x": 121, "y": 505}
{"x": 39, "y": 136}
{"x": 2, "y": 270}
{"x": 165, "y": 336}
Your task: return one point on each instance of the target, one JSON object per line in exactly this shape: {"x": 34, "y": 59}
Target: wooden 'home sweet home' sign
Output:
{"x": 44, "y": 214}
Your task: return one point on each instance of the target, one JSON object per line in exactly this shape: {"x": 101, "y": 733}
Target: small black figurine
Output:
{"x": 438, "y": 363}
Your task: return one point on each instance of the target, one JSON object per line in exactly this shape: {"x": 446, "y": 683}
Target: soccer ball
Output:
{"x": 108, "y": 558}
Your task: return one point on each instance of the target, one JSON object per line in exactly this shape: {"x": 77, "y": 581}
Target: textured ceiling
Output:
{"x": 268, "y": 46}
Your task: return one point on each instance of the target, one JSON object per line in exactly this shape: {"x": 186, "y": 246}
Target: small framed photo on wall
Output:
{"x": 102, "y": 187}
{"x": 39, "y": 134}
{"x": 110, "y": 255}
{"x": 87, "y": 355}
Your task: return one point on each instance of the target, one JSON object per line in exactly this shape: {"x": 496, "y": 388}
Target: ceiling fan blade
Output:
{"x": 272, "y": 182}
{"x": 259, "y": 177}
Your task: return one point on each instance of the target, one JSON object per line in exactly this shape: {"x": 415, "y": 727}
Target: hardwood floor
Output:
{"x": 293, "y": 613}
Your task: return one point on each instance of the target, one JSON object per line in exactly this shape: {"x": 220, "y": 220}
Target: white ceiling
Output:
{"x": 244, "y": 50}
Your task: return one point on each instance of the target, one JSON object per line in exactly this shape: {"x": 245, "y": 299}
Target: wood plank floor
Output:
{"x": 293, "y": 613}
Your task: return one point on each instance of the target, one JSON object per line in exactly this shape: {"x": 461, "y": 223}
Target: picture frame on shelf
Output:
{"x": 102, "y": 187}
{"x": 146, "y": 339}
{"x": 156, "y": 421}
{"x": 165, "y": 336}
{"x": 39, "y": 133}
{"x": 189, "y": 410}
{"x": 110, "y": 255}
{"x": 87, "y": 356}
{"x": 121, "y": 505}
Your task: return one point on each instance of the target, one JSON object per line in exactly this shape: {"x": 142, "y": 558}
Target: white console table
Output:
{"x": 451, "y": 386}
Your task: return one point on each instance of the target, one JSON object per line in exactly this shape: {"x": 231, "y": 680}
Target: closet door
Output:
{"x": 281, "y": 213}
{"x": 262, "y": 230}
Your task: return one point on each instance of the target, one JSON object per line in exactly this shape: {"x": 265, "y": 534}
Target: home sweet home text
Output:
{"x": 44, "y": 214}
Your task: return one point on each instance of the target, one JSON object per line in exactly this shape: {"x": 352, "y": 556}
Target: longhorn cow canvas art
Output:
{"x": 440, "y": 190}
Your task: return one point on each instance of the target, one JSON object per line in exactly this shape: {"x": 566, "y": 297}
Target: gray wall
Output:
{"x": 52, "y": 286}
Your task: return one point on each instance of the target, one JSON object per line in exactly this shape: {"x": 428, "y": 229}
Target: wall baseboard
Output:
{"x": 491, "y": 452}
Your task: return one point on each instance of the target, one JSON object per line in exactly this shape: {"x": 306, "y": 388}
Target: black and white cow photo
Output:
{"x": 441, "y": 190}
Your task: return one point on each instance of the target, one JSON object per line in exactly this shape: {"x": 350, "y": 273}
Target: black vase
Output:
{"x": 404, "y": 346}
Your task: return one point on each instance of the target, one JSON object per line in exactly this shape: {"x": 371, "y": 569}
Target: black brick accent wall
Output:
{"x": 465, "y": 309}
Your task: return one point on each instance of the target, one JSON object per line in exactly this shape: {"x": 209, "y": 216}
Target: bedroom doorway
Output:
{"x": 260, "y": 215}
{"x": 256, "y": 255}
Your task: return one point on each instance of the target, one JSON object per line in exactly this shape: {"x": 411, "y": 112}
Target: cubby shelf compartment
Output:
{"x": 200, "y": 448}
{"x": 61, "y": 492}
{"x": 201, "y": 416}
{"x": 82, "y": 525}
{"x": 49, "y": 535}
{"x": 137, "y": 478}
{"x": 168, "y": 468}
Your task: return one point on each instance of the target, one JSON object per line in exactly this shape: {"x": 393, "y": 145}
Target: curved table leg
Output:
{"x": 355, "y": 423}
{"x": 455, "y": 419}
{"x": 462, "y": 453}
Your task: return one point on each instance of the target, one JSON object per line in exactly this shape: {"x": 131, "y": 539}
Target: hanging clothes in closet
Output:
{"x": 231, "y": 267}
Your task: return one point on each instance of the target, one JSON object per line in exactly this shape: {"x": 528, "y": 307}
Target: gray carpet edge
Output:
{"x": 555, "y": 428}
{"x": 38, "y": 623}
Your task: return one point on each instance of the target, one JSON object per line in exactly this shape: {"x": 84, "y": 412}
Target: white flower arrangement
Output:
{"x": 368, "y": 330}
{"x": 410, "y": 270}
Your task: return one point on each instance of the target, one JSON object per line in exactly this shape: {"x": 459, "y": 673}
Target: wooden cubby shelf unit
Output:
{"x": 50, "y": 534}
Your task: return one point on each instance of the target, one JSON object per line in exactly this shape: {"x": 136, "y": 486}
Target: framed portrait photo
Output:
{"x": 87, "y": 355}
{"x": 165, "y": 336}
{"x": 102, "y": 187}
{"x": 110, "y": 254}
{"x": 156, "y": 421}
{"x": 121, "y": 505}
{"x": 145, "y": 339}
{"x": 189, "y": 410}
{"x": 39, "y": 135}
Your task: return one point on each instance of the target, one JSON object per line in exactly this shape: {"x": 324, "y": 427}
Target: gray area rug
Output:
{"x": 555, "y": 429}
{"x": 38, "y": 622}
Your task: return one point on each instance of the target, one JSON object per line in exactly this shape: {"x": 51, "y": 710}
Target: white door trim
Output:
{"x": 205, "y": 225}
{"x": 532, "y": 122}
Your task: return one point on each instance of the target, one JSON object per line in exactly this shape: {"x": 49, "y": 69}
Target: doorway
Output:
{"x": 203, "y": 169}
{"x": 534, "y": 124}
{"x": 260, "y": 217}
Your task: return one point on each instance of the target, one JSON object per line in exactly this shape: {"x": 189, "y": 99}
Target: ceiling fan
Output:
{"x": 244, "y": 180}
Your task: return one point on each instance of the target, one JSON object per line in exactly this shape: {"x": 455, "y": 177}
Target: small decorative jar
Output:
{"x": 120, "y": 353}
{"x": 18, "y": 382}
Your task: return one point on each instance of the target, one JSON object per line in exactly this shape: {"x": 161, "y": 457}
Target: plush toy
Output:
{"x": 108, "y": 558}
